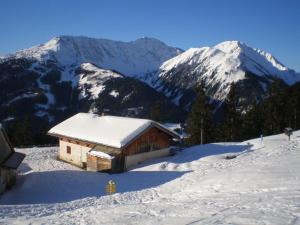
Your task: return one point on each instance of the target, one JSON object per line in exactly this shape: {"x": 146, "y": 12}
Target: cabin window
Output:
{"x": 69, "y": 149}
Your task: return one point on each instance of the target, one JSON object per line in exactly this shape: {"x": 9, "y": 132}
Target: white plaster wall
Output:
{"x": 78, "y": 152}
{"x": 133, "y": 160}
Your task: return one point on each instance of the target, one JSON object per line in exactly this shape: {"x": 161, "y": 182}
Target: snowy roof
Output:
{"x": 107, "y": 130}
{"x": 100, "y": 154}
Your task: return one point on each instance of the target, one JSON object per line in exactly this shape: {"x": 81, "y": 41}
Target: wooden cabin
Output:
{"x": 9, "y": 162}
{"x": 111, "y": 143}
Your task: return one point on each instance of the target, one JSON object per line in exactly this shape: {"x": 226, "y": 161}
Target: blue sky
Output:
{"x": 273, "y": 26}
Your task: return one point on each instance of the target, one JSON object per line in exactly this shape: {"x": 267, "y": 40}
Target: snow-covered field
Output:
{"x": 196, "y": 186}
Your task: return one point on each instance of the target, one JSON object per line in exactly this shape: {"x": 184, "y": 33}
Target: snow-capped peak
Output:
{"x": 229, "y": 58}
{"x": 131, "y": 58}
{"x": 230, "y": 46}
{"x": 218, "y": 67}
{"x": 243, "y": 49}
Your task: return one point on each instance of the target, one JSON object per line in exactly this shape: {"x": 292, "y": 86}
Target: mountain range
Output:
{"x": 217, "y": 67}
{"x": 69, "y": 74}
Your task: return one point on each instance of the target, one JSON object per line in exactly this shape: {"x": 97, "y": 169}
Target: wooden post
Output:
{"x": 201, "y": 134}
{"x": 110, "y": 187}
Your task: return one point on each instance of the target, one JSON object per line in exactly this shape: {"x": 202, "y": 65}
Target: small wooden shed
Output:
{"x": 9, "y": 162}
{"x": 99, "y": 161}
{"x": 111, "y": 143}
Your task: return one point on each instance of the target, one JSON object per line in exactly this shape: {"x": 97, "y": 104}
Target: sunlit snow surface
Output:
{"x": 196, "y": 186}
{"x": 131, "y": 58}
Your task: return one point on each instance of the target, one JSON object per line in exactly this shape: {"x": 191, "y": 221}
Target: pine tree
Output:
{"x": 155, "y": 113}
{"x": 275, "y": 108}
{"x": 199, "y": 122}
{"x": 230, "y": 126}
{"x": 252, "y": 122}
{"x": 21, "y": 133}
{"x": 293, "y": 108}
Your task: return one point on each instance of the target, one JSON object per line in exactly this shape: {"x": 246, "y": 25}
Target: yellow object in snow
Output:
{"x": 110, "y": 187}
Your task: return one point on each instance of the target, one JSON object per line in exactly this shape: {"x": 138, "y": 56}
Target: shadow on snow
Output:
{"x": 67, "y": 185}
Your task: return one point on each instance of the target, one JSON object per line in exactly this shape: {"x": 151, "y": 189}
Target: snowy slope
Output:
{"x": 68, "y": 74}
{"x": 52, "y": 92}
{"x": 130, "y": 58}
{"x": 91, "y": 80}
{"x": 218, "y": 67}
{"x": 196, "y": 186}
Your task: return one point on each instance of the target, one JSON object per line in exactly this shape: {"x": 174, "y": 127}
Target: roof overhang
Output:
{"x": 158, "y": 126}
{"x": 166, "y": 130}
{"x": 79, "y": 139}
{"x": 14, "y": 160}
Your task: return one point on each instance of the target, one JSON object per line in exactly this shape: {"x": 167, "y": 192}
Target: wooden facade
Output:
{"x": 95, "y": 163}
{"x": 76, "y": 151}
{"x": 9, "y": 162}
{"x": 7, "y": 178}
{"x": 151, "y": 140}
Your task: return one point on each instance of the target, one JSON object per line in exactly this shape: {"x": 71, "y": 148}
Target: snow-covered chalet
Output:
{"x": 110, "y": 143}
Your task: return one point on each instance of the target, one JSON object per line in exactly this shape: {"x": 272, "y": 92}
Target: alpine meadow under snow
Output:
{"x": 252, "y": 182}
